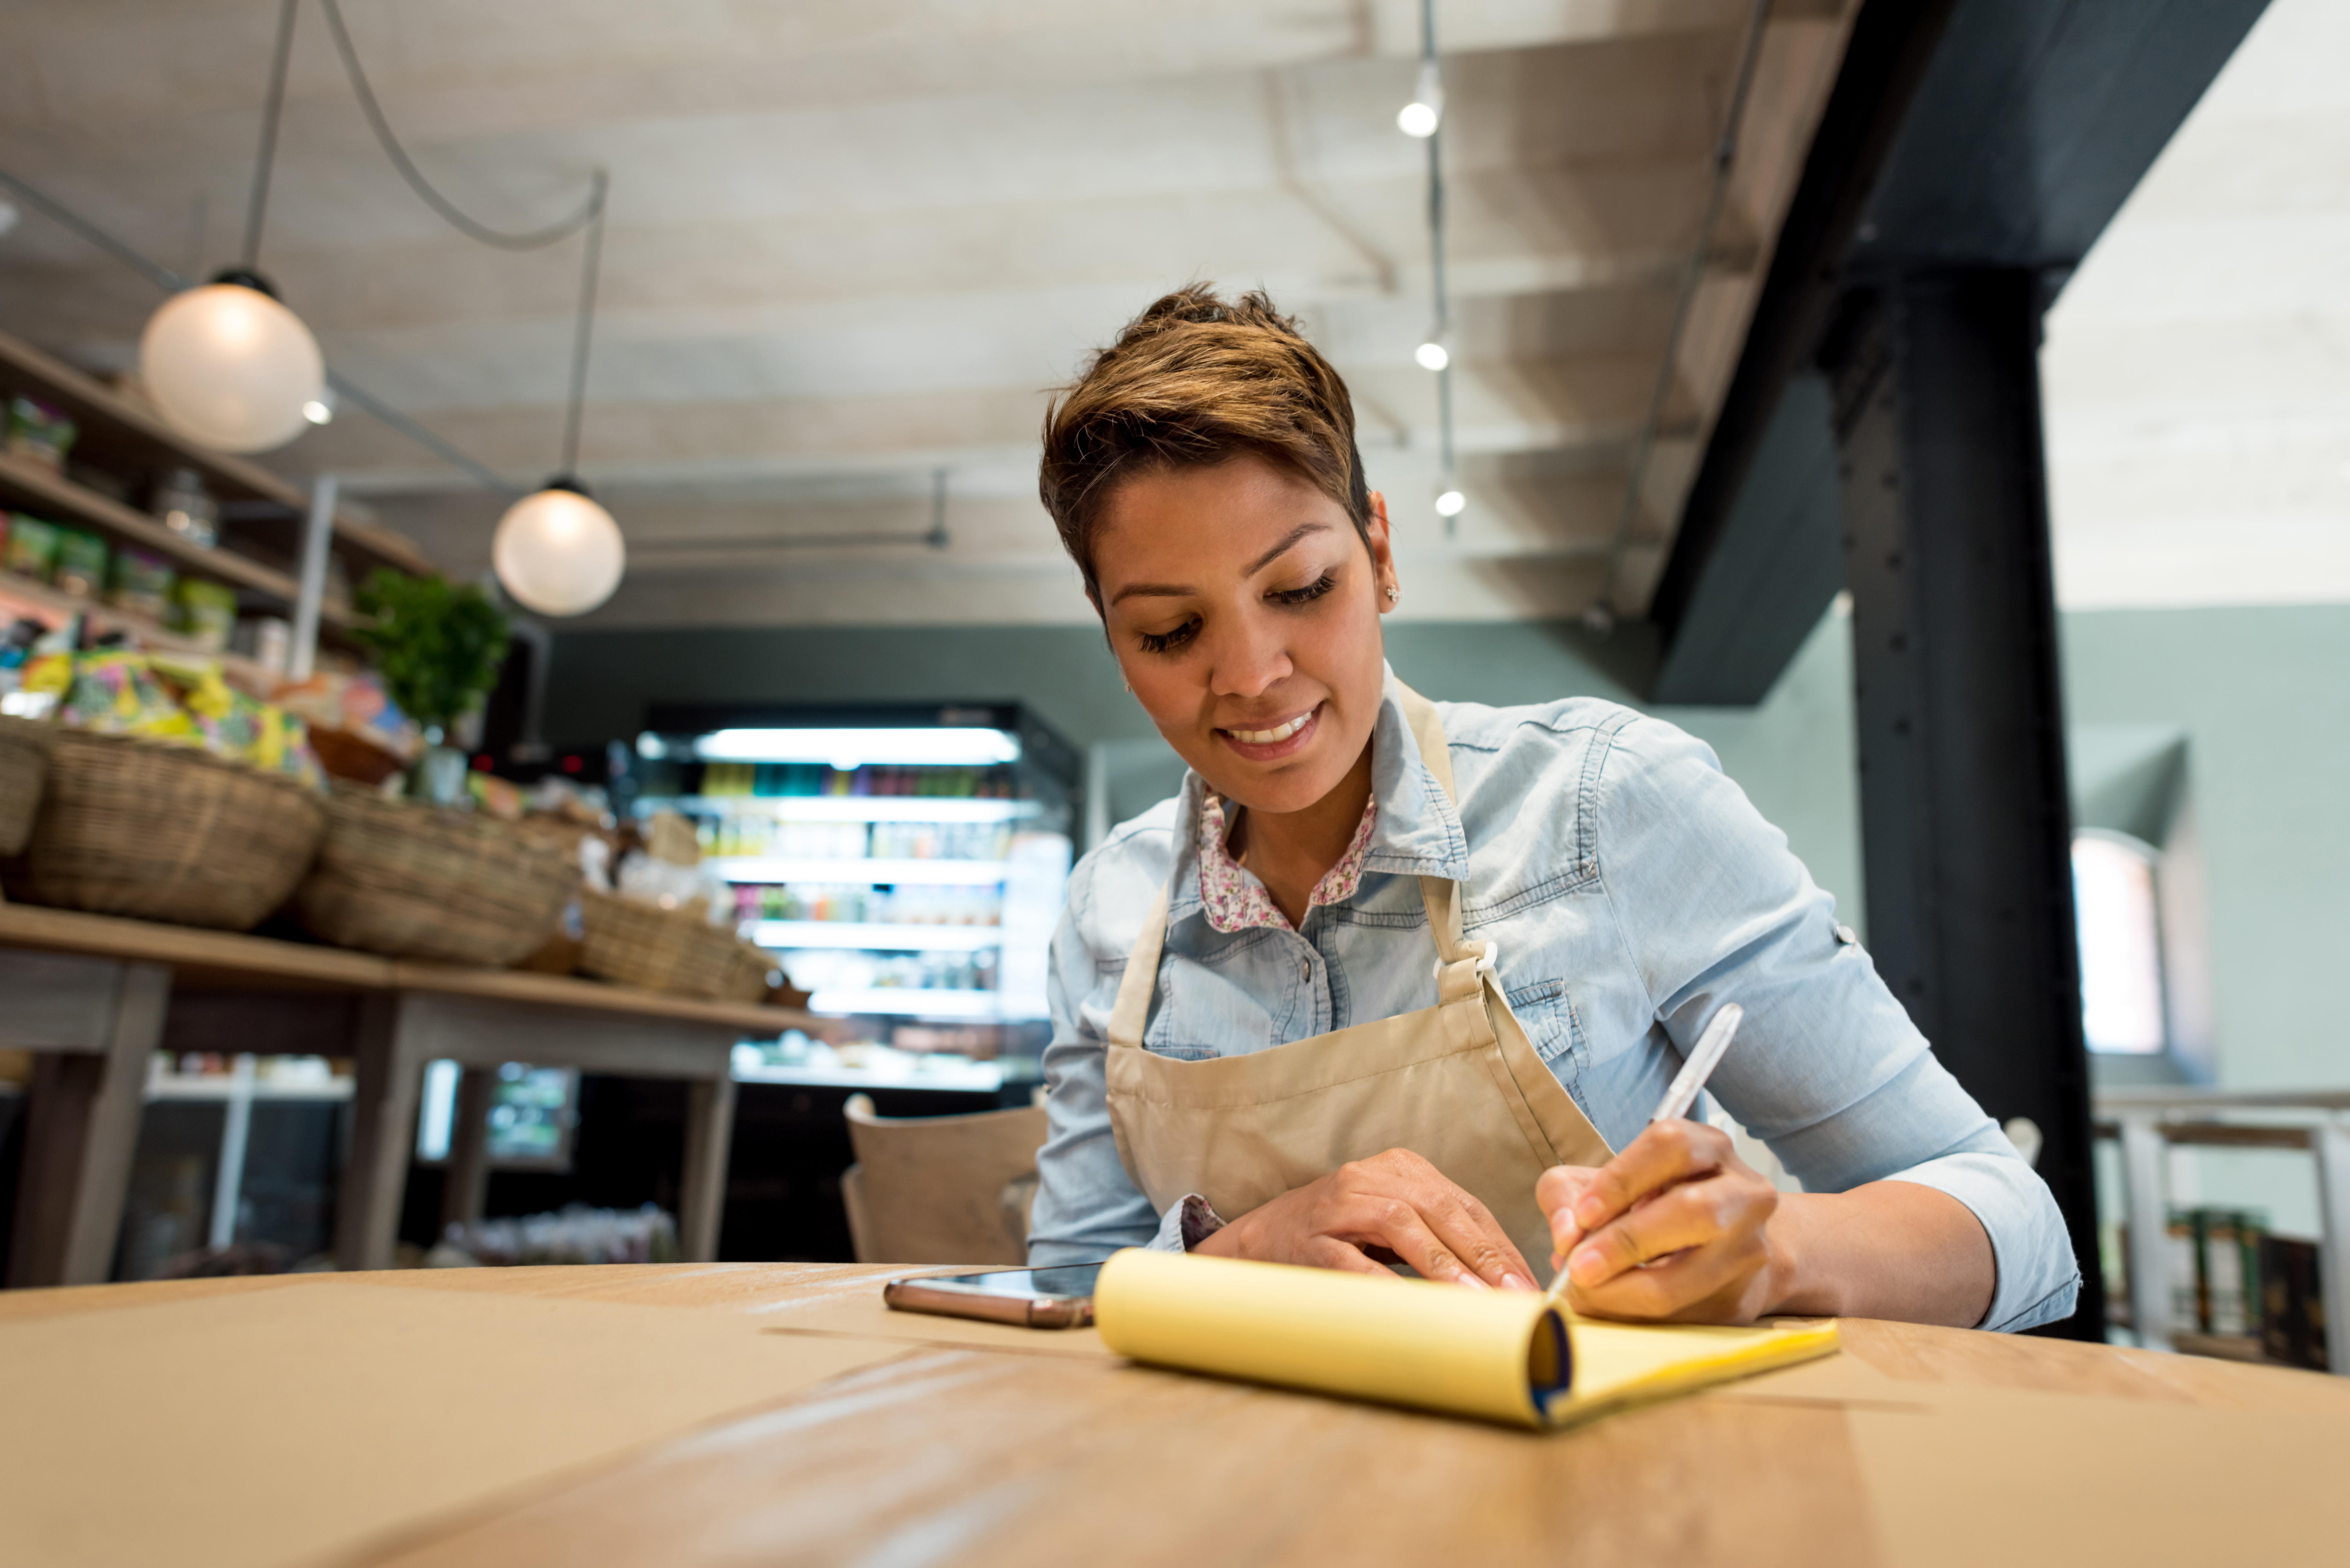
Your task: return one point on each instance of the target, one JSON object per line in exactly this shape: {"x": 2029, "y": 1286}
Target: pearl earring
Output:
{"x": 1394, "y": 593}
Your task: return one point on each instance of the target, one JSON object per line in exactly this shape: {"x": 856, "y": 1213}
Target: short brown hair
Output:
{"x": 1191, "y": 382}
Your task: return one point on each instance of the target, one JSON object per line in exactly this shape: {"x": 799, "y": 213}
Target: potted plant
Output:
{"x": 439, "y": 647}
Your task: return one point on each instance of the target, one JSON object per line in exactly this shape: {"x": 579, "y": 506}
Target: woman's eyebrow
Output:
{"x": 1177, "y": 590}
{"x": 1303, "y": 529}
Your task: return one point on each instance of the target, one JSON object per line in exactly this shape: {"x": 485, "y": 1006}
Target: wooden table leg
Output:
{"x": 81, "y": 1131}
{"x": 391, "y": 1073}
{"x": 468, "y": 1184}
{"x": 709, "y": 1138}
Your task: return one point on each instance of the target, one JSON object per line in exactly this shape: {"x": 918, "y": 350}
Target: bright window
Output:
{"x": 2121, "y": 943}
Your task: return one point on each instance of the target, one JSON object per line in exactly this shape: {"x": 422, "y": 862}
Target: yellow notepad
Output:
{"x": 1504, "y": 1356}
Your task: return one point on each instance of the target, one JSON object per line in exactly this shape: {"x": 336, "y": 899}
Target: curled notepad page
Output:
{"x": 1504, "y": 1355}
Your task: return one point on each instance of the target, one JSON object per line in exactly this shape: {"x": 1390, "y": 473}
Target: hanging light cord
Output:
{"x": 523, "y": 240}
{"x": 273, "y": 109}
{"x": 1725, "y": 156}
{"x": 590, "y": 269}
{"x": 1441, "y": 306}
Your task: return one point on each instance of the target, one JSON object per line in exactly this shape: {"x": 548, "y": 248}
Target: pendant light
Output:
{"x": 556, "y": 551}
{"x": 227, "y": 364}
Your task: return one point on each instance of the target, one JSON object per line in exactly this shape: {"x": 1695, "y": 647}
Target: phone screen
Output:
{"x": 1070, "y": 1281}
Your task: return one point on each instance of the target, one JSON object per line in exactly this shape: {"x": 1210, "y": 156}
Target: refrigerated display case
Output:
{"x": 902, "y": 862}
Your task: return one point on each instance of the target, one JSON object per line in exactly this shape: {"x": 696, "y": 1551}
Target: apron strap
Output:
{"x": 1141, "y": 977}
{"x": 1442, "y": 897}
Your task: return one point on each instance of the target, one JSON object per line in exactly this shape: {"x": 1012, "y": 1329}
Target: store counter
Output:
{"x": 739, "y": 1413}
{"x": 90, "y": 994}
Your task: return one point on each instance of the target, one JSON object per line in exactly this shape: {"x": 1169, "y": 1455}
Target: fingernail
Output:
{"x": 1590, "y": 1211}
{"x": 1586, "y": 1264}
{"x": 1516, "y": 1283}
{"x": 1473, "y": 1283}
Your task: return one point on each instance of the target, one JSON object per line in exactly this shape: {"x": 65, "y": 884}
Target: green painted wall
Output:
{"x": 1793, "y": 753}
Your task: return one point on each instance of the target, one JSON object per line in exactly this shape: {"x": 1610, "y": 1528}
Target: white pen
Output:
{"x": 1685, "y": 1086}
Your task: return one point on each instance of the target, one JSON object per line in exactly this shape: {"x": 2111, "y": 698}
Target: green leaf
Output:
{"x": 438, "y": 646}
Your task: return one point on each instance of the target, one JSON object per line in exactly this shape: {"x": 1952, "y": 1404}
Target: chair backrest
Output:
{"x": 941, "y": 1189}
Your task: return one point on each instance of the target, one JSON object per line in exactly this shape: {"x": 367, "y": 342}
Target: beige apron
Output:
{"x": 1458, "y": 1084}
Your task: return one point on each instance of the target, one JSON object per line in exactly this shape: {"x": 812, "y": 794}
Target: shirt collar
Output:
{"x": 1418, "y": 832}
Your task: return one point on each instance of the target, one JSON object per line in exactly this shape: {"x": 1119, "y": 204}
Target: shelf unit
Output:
{"x": 844, "y": 871}
{"x": 2147, "y": 1122}
{"x": 258, "y": 555}
{"x": 994, "y": 792}
{"x": 848, "y": 807}
{"x": 873, "y": 935}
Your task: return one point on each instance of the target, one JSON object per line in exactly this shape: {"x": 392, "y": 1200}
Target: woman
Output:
{"x": 1395, "y": 982}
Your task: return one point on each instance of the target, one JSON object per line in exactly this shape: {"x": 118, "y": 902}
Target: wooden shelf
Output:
{"x": 250, "y": 674}
{"x": 118, "y": 433}
{"x": 58, "y": 498}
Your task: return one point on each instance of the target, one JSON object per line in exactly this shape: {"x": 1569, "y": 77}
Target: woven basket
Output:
{"x": 677, "y": 950}
{"x": 417, "y": 881}
{"x": 23, "y": 761}
{"x": 159, "y": 832}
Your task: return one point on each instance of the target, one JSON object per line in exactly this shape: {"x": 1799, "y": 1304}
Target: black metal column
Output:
{"x": 1965, "y": 823}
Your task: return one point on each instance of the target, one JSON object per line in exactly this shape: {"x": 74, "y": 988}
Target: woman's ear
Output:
{"x": 1388, "y": 588}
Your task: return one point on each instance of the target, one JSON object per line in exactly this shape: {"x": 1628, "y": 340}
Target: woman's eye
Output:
{"x": 1306, "y": 594}
{"x": 1168, "y": 641}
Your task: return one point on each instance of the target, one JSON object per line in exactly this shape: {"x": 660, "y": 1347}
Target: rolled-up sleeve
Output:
{"x": 1828, "y": 1069}
{"x": 1086, "y": 1206}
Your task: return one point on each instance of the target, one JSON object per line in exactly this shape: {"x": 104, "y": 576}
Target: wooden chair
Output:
{"x": 941, "y": 1189}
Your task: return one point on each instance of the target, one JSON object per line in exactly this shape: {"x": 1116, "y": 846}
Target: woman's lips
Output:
{"x": 1271, "y": 742}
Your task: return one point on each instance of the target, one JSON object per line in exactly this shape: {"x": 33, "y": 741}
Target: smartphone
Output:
{"x": 1029, "y": 1298}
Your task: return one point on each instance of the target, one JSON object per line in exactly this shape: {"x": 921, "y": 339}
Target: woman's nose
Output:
{"x": 1250, "y": 657}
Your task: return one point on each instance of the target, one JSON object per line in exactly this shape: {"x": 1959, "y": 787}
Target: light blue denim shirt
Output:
{"x": 1632, "y": 889}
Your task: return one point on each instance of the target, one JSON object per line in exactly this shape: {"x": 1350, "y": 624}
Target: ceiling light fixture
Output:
{"x": 320, "y": 410}
{"x": 227, "y": 364}
{"x": 1432, "y": 355}
{"x": 1451, "y": 503}
{"x": 556, "y": 550}
{"x": 1425, "y": 112}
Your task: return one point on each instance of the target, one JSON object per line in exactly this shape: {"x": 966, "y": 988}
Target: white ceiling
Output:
{"x": 854, "y": 242}
{"x": 2198, "y": 366}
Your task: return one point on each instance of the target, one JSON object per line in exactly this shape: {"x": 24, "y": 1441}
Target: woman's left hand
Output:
{"x": 1675, "y": 1229}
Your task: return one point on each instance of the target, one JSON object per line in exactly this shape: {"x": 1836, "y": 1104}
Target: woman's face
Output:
{"x": 1246, "y": 610}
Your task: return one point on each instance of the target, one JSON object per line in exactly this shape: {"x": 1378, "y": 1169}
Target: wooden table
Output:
{"x": 90, "y": 994}
{"x": 808, "y": 1425}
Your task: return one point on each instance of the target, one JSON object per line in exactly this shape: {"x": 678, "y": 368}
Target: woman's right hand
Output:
{"x": 1391, "y": 1205}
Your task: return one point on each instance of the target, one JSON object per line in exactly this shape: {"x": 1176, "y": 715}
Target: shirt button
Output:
{"x": 1306, "y": 968}
{"x": 1844, "y": 935}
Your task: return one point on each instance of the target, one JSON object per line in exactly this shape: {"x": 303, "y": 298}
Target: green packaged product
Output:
{"x": 40, "y": 432}
{"x": 142, "y": 583}
{"x": 32, "y": 547}
{"x": 81, "y": 563}
{"x": 204, "y": 611}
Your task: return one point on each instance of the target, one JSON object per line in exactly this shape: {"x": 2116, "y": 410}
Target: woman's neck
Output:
{"x": 1291, "y": 852}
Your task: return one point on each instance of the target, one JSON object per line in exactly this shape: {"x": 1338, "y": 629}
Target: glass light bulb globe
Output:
{"x": 558, "y": 553}
{"x": 1417, "y": 118}
{"x": 1432, "y": 355}
{"x": 1451, "y": 504}
{"x": 231, "y": 367}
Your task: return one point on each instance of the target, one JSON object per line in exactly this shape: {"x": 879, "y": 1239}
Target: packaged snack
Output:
{"x": 109, "y": 694}
{"x": 204, "y": 611}
{"x": 39, "y": 432}
{"x": 32, "y": 547}
{"x": 141, "y": 583}
{"x": 81, "y": 563}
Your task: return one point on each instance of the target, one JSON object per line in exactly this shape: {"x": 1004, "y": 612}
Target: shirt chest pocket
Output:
{"x": 1203, "y": 1013}
{"x": 1547, "y": 1014}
